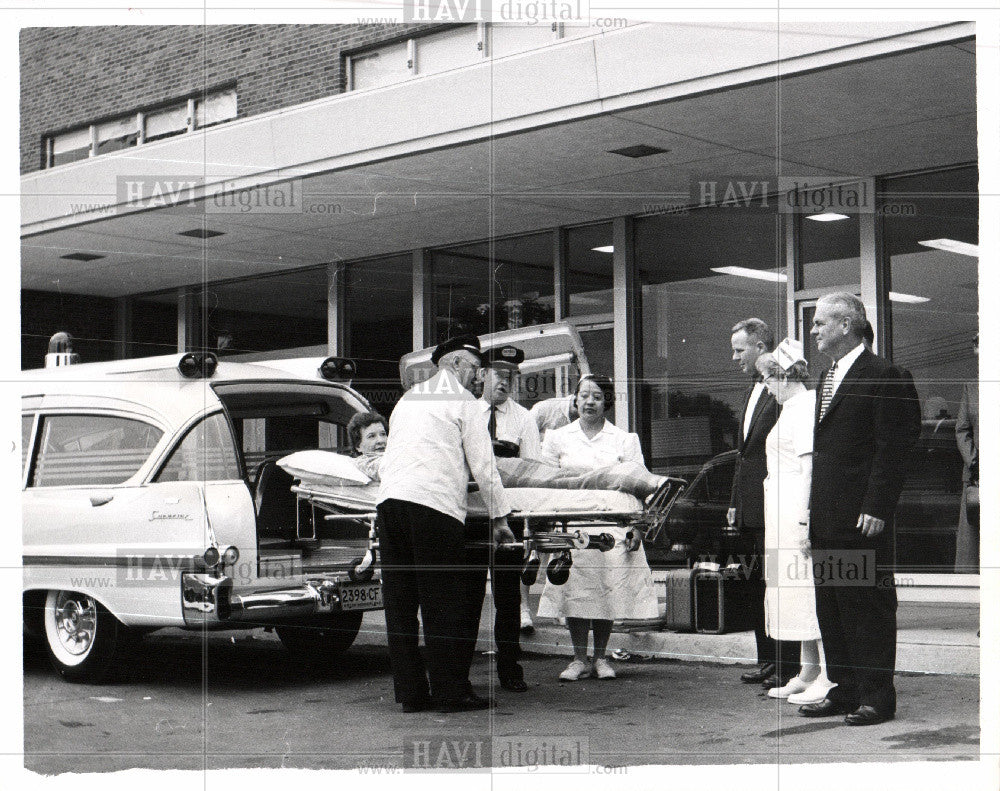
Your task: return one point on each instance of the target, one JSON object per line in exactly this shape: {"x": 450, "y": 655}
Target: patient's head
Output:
{"x": 368, "y": 432}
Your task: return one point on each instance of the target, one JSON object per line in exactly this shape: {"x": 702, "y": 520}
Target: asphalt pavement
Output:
{"x": 189, "y": 701}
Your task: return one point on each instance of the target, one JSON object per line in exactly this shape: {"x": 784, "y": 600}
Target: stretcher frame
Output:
{"x": 646, "y": 524}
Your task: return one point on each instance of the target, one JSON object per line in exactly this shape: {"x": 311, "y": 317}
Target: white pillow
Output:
{"x": 321, "y": 466}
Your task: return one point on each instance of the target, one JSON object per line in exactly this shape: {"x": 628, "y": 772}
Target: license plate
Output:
{"x": 361, "y": 596}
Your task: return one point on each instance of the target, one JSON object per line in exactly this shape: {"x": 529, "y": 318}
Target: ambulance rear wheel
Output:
{"x": 321, "y": 637}
{"x": 82, "y": 637}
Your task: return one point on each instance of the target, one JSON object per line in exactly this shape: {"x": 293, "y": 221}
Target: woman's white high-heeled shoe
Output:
{"x": 814, "y": 693}
{"x": 794, "y": 686}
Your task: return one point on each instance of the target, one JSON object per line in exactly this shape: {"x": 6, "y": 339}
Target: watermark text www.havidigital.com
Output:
{"x": 526, "y": 12}
{"x": 791, "y": 567}
{"x": 794, "y": 195}
{"x": 225, "y": 197}
{"x": 527, "y": 752}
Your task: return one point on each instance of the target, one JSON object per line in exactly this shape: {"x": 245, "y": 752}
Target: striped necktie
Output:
{"x": 826, "y": 396}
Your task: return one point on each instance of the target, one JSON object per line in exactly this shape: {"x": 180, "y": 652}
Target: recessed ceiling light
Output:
{"x": 754, "y": 274}
{"x": 82, "y": 257}
{"x": 827, "y": 216}
{"x": 953, "y": 246}
{"x": 201, "y": 233}
{"x": 636, "y": 152}
{"x": 608, "y": 248}
{"x": 895, "y": 296}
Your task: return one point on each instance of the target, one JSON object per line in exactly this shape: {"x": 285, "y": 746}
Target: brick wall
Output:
{"x": 77, "y": 75}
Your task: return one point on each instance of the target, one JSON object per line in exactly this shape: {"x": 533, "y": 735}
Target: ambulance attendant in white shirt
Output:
{"x": 436, "y": 439}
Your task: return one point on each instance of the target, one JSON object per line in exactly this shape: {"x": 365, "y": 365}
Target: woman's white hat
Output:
{"x": 789, "y": 352}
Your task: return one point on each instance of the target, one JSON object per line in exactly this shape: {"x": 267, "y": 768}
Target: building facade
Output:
{"x": 367, "y": 190}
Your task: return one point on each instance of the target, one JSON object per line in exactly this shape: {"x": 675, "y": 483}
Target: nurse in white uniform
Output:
{"x": 602, "y": 586}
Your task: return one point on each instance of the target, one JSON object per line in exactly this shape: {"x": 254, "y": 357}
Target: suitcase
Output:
{"x": 721, "y": 602}
{"x": 680, "y": 600}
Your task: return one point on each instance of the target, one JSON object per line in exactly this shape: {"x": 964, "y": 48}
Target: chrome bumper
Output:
{"x": 210, "y": 600}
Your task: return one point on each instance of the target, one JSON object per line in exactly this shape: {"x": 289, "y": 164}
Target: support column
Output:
{"x": 187, "y": 320}
{"x": 123, "y": 327}
{"x": 561, "y": 300}
{"x": 423, "y": 312}
{"x": 874, "y": 271}
{"x": 626, "y": 326}
{"x": 336, "y": 308}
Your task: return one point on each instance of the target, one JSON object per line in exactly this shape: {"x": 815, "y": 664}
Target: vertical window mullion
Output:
{"x": 411, "y": 56}
{"x": 93, "y": 140}
{"x": 140, "y": 122}
{"x": 190, "y": 118}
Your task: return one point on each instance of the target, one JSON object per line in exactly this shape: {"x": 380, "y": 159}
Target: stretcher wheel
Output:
{"x": 557, "y": 571}
{"x": 633, "y": 540}
{"x": 529, "y": 572}
{"x": 362, "y": 569}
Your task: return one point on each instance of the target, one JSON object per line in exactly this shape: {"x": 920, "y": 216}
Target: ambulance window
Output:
{"x": 91, "y": 450}
{"x": 27, "y": 421}
{"x": 206, "y": 453}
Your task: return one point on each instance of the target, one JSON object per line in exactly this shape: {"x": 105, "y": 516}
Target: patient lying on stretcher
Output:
{"x": 368, "y": 433}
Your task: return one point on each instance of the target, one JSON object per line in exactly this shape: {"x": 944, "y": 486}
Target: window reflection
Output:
{"x": 692, "y": 391}
{"x": 480, "y": 290}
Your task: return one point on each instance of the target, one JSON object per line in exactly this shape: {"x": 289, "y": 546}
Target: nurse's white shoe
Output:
{"x": 576, "y": 670}
{"x": 814, "y": 693}
{"x": 602, "y": 669}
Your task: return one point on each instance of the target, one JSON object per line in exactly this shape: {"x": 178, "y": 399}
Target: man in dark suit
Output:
{"x": 866, "y": 425}
{"x": 776, "y": 662}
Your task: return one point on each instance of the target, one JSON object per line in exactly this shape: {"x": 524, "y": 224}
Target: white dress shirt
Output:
{"x": 569, "y": 447}
{"x": 515, "y": 424}
{"x": 552, "y": 413}
{"x": 755, "y": 394}
{"x": 437, "y": 436}
{"x": 844, "y": 365}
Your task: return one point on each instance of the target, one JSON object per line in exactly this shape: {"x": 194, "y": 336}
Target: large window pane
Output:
{"x": 118, "y": 134}
{"x": 286, "y": 311}
{"x": 701, "y": 273}
{"x": 379, "y": 321}
{"x": 589, "y": 270}
{"x": 931, "y": 237}
{"x": 830, "y": 248}
{"x": 519, "y": 269}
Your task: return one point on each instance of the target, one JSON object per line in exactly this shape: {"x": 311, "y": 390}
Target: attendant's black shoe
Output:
{"x": 867, "y": 715}
{"x": 825, "y": 708}
{"x": 418, "y": 704}
{"x": 469, "y": 702}
{"x": 513, "y": 684}
{"x": 759, "y": 675}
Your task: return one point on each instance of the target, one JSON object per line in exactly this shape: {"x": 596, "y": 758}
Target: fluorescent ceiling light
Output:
{"x": 952, "y": 246}
{"x": 755, "y": 274}
{"x": 827, "y": 216}
{"x": 608, "y": 248}
{"x": 895, "y": 296}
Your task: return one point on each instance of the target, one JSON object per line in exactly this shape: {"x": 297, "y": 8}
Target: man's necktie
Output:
{"x": 826, "y": 396}
{"x": 493, "y": 421}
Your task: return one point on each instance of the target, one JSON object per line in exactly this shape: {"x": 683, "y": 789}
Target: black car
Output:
{"x": 926, "y": 517}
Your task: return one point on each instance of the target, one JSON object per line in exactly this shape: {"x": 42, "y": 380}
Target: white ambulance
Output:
{"x": 151, "y": 499}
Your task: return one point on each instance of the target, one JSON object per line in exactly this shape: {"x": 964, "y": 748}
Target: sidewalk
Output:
{"x": 933, "y": 637}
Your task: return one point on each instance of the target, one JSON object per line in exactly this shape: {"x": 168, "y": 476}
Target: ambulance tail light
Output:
{"x": 338, "y": 369}
{"x": 194, "y": 365}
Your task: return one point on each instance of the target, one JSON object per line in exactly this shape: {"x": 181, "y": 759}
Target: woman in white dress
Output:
{"x": 790, "y": 598}
{"x": 602, "y": 586}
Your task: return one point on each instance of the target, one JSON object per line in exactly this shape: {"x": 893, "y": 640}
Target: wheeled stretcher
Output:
{"x": 555, "y": 521}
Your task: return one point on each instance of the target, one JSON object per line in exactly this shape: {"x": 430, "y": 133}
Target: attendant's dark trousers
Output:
{"x": 857, "y": 620}
{"x": 423, "y": 562}
{"x": 785, "y": 654}
{"x": 505, "y": 580}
